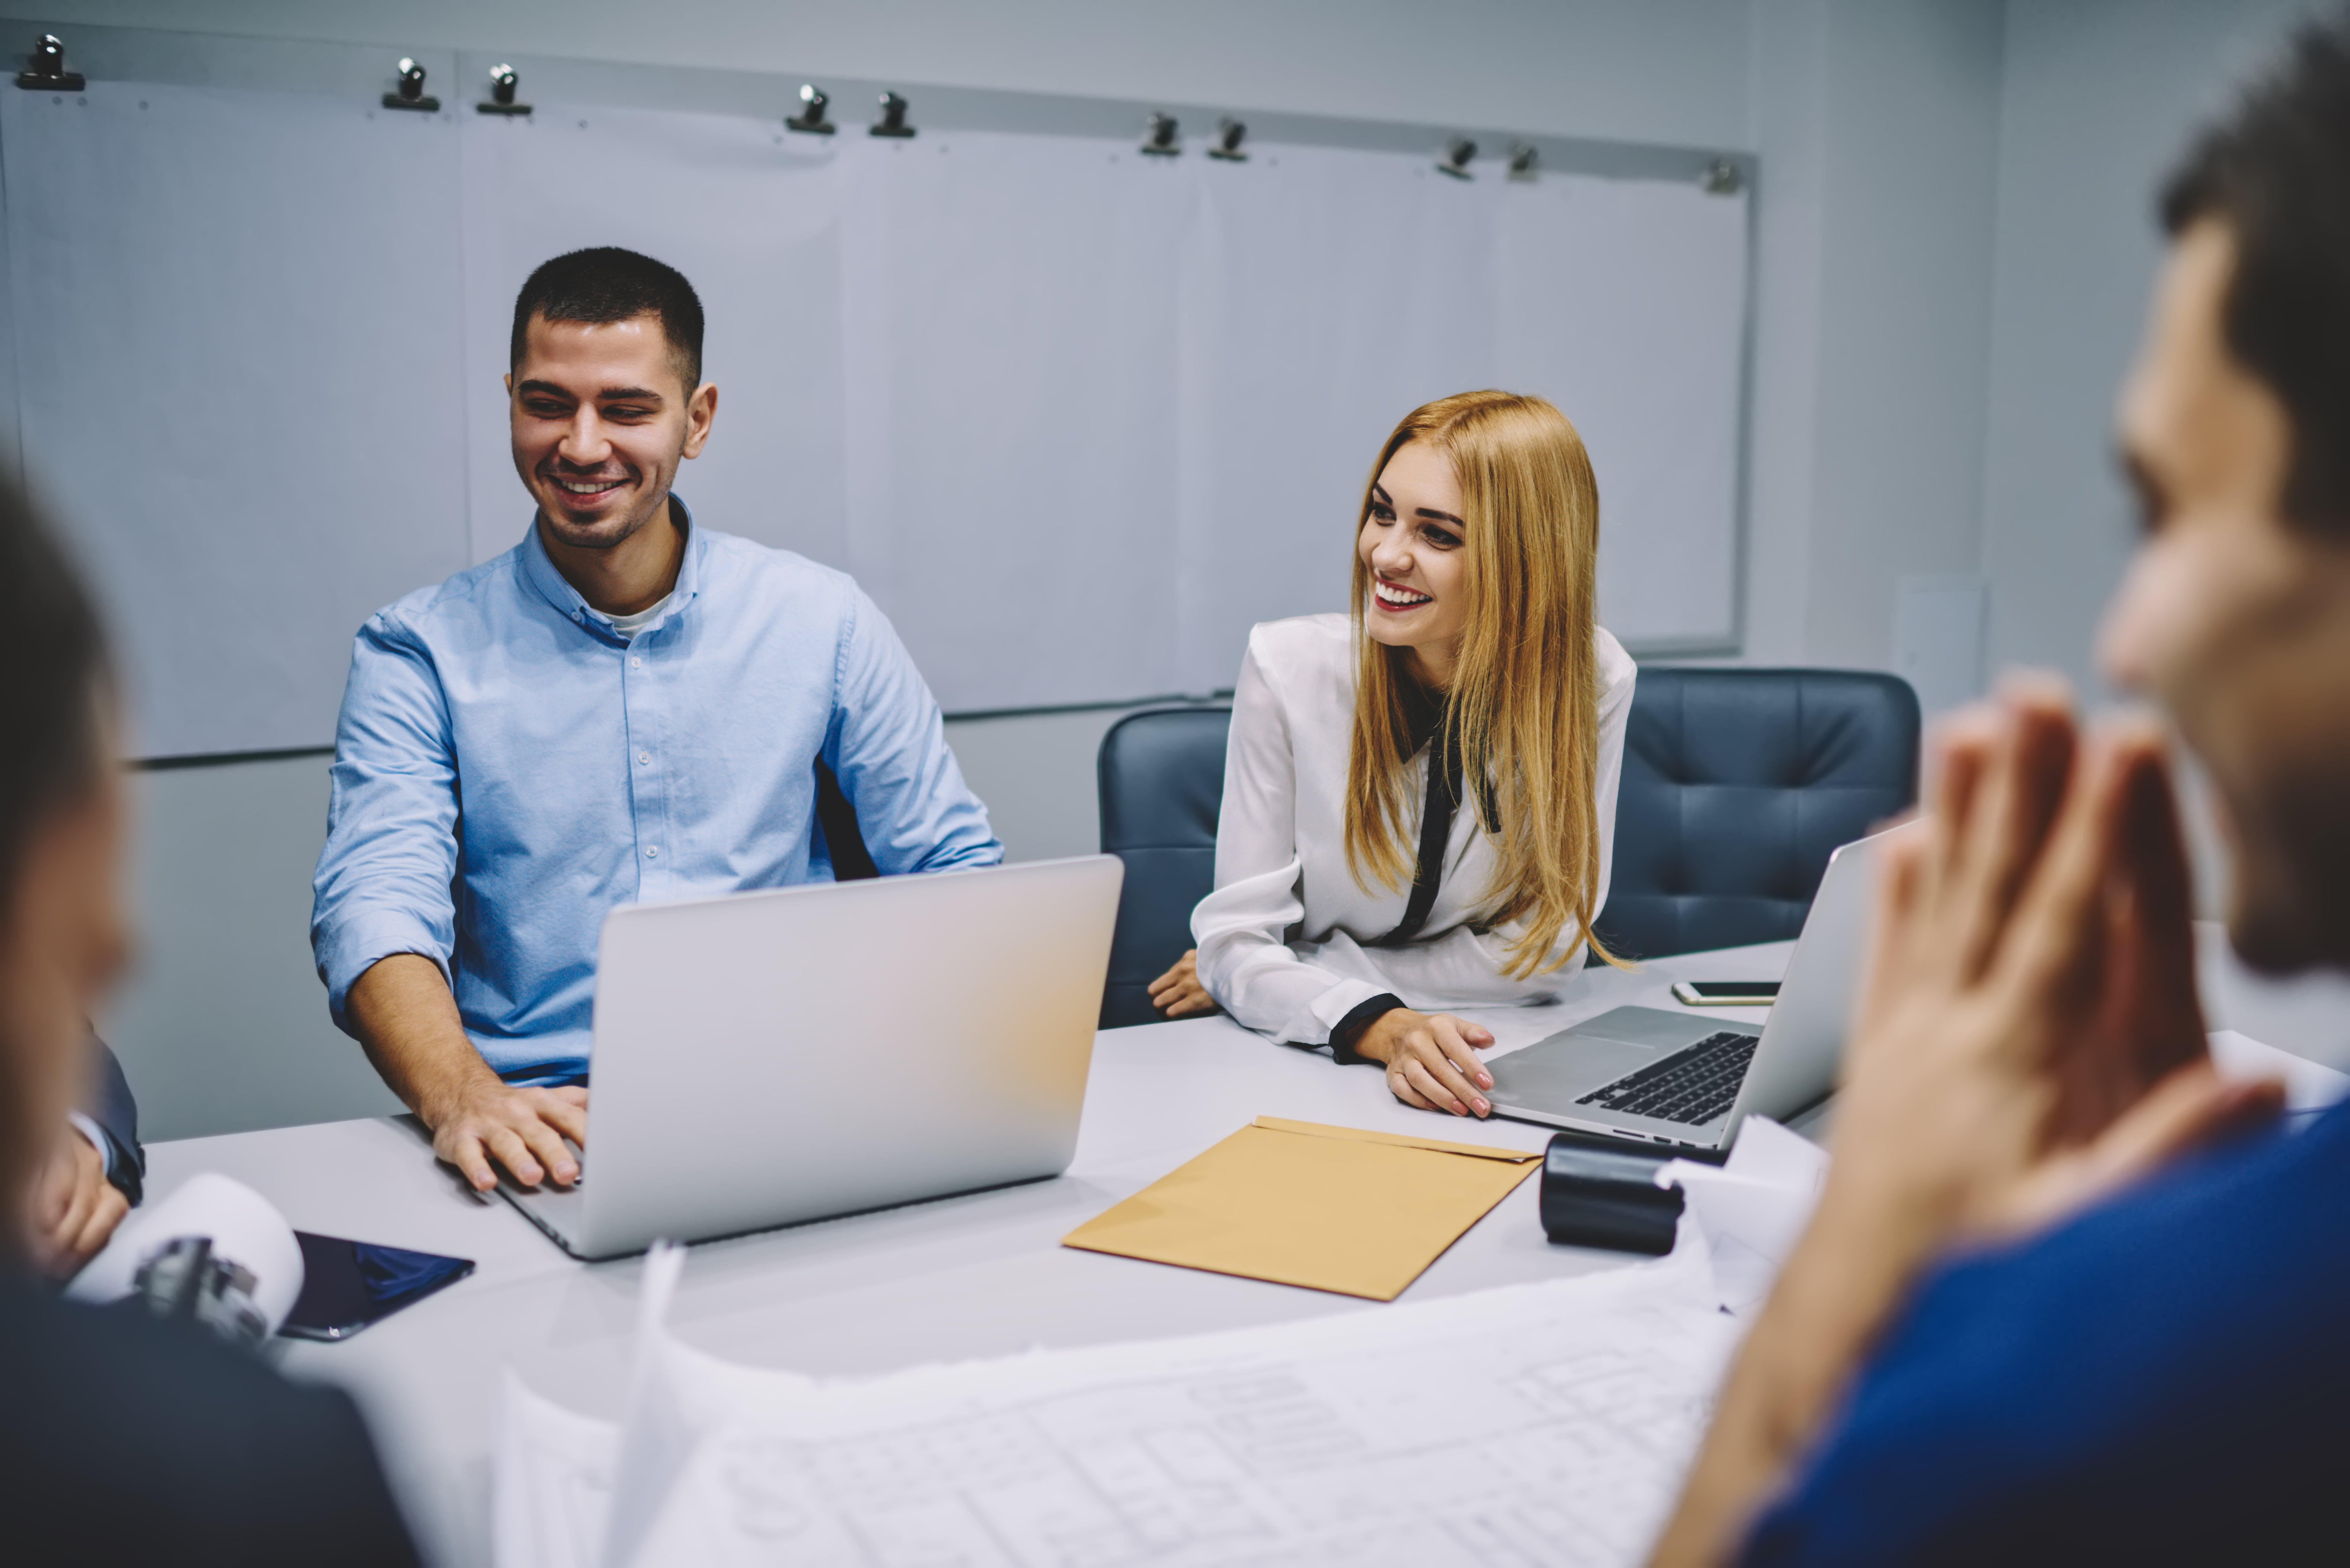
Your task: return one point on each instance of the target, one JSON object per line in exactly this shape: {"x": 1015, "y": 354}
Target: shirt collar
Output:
{"x": 554, "y": 587}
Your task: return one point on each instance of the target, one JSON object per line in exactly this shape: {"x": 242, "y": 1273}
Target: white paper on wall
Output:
{"x": 1076, "y": 418}
{"x": 751, "y": 214}
{"x": 237, "y": 358}
{"x": 1327, "y": 294}
{"x": 1010, "y": 301}
{"x": 1624, "y": 302}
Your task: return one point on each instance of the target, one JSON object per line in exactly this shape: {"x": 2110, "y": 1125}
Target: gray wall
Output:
{"x": 2099, "y": 96}
{"x": 1951, "y": 254}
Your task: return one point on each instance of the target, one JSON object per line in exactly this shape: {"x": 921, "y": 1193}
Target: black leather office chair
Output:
{"x": 1737, "y": 785}
{"x": 1162, "y": 781}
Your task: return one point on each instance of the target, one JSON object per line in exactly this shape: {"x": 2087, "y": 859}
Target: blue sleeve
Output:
{"x": 887, "y": 744}
{"x": 2161, "y": 1380}
{"x": 383, "y": 883}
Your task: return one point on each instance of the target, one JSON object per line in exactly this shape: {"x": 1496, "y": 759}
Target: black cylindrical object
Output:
{"x": 1602, "y": 1192}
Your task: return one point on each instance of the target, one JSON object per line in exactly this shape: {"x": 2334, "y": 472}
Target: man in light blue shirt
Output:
{"x": 626, "y": 707}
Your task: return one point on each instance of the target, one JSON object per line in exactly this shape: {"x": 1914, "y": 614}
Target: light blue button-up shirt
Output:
{"x": 508, "y": 768}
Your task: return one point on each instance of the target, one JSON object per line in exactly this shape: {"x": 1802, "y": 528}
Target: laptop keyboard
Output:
{"x": 1690, "y": 1086}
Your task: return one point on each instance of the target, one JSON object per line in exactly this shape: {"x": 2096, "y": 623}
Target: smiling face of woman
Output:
{"x": 1414, "y": 546}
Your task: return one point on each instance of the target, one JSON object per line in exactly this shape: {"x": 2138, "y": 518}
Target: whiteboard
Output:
{"x": 236, "y": 354}
{"x": 1076, "y": 417}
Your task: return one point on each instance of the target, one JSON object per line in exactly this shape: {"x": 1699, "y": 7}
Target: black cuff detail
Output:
{"x": 1349, "y": 1029}
{"x": 126, "y": 1168}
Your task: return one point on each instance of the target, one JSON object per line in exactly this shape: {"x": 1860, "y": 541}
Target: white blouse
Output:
{"x": 1281, "y": 939}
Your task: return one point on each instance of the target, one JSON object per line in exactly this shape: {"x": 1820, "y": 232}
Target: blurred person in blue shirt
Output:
{"x": 629, "y": 706}
{"x": 2069, "y": 1296}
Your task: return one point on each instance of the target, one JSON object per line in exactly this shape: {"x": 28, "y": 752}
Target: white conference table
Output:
{"x": 979, "y": 1275}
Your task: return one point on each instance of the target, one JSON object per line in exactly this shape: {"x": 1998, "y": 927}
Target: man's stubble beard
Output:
{"x": 2290, "y": 904}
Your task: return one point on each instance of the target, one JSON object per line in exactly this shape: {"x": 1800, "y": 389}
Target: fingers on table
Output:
{"x": 1191, "y": 1002}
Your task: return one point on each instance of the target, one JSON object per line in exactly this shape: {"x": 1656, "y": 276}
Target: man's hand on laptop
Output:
{"x": 522, "y": 1130}
{"x": 404, "y": 1016}
{"x": 2028, "y": 1040}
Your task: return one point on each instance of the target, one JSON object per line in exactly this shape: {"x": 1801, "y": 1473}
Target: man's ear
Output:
{"x": 509, "y": 383}
{"x": 701, "y": 410}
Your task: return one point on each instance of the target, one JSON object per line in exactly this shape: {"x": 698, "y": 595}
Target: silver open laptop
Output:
{"x": 1689, "y": 1081}
{"x": 781, "y": 1056}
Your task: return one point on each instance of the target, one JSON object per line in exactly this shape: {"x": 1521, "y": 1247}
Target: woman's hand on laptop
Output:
{"x": 1430, "y": 1059}
{"x": 522, "y": 1130}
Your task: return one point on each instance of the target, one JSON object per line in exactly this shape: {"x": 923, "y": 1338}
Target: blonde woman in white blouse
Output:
{"x": 1357, "y": 895}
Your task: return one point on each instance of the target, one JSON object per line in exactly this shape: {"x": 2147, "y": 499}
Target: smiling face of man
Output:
{"x": 601, "y": 416}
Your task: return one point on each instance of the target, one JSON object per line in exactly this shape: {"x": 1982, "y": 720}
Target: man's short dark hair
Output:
{"x": 49, "y": 703}
{"x": 2276, "y": 171}
{"x": 606, "y": 284}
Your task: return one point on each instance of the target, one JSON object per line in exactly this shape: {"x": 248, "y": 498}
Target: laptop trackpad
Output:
{"x": 1555, "y": 1073}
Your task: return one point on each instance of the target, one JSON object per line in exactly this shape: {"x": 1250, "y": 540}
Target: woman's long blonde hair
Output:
{"x": 1524, "y": 700}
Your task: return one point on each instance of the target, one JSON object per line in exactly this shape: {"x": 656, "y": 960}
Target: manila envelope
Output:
{"x": 1332, "y": 1209}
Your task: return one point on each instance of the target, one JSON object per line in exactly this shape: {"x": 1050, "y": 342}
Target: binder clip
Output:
{"x": 1458, "y": 154}
{"x": 1162, "y": 138}
{"x": 504, "y": 81}
{"x": 1526, "y": 160}
{"x": 893, "y": 117}
{"x": 1722, "y": 178}
{"x": 810, "y": 118}
{"x": 1230, "y": 134}
{"x": 410, "y": 92}
{"x": 45, "y": 69}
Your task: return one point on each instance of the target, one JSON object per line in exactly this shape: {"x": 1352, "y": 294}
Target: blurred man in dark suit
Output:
{"x": 123, "y": 1440}
{"x": 93, "y": 1176}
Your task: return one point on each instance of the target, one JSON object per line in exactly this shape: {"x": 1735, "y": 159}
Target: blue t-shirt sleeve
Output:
{"x": 2162, "y": 1380}
{"x": 887, "y": 744}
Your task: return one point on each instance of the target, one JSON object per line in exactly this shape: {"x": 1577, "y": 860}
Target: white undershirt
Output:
{"x": 628, "y": 626}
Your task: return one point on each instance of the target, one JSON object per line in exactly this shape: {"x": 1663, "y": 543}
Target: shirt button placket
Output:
{"x": 646, "y": 792}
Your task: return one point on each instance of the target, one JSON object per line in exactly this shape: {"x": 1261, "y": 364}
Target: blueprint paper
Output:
{"x": 551, "y": 1483}
{"x": 244, "y": 1228}
{"x": 1536, "y": 1424}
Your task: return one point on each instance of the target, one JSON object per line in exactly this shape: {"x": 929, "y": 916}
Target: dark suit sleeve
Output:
{"x": 112, "y": 1107}
{"x": 125, "y": 1440}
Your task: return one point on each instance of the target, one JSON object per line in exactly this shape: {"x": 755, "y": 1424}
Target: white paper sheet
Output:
{"x": 242, "y": 1226}
{"x": 751, "y": 214}
{"x": 1747, "y": 1214}
{"x": 551, "y": 1485}
{"x": 1076, "y": 418}
{"x": 237, "y": 355}
{"x": 1011, "y": 304}
{"x": 2308, "y": 1086}
{"x": 1535, "y": 1424}
{"x": 1624, "y": 303}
